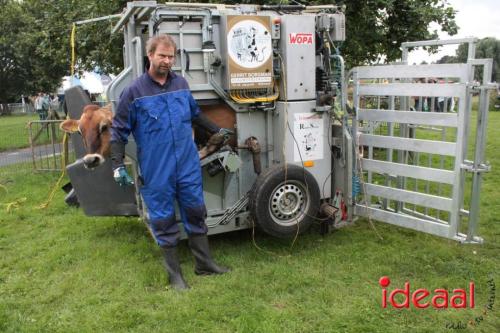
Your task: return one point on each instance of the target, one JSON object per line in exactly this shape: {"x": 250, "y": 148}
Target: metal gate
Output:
{"x": 414, "y": 170}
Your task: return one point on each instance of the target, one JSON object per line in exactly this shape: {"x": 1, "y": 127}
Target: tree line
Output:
{"x": 488, "y": 47}
{"x": 35, "y": 36}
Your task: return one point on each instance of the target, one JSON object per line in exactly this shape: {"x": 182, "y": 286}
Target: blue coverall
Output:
{"x": 159, "y": 117}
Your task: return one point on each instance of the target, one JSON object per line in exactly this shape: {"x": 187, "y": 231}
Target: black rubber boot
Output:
{"x": 205, "y": 265}
{"x": 173, "y": 268}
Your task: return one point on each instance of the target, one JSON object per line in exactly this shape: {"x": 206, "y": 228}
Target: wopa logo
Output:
{"x": 301, "y": 38}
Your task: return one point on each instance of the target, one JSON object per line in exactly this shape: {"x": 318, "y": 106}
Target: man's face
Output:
{"x": 162, "y": 59}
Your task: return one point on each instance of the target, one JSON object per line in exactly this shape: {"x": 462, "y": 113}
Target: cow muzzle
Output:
{"x": 91, "y": 161}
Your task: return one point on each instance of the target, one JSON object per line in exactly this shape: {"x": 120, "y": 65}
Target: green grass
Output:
{"x": 14, "y": 132}
{"x": 61, "y": 271}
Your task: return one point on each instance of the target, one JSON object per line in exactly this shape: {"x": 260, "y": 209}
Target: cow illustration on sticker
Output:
{"x": 249, "y": 44}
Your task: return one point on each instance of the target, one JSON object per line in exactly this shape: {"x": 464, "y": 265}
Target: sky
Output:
{"x": 479, "y": 18}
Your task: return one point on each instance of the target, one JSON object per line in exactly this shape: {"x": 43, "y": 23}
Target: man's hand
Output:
{"x": 122, "y": 177}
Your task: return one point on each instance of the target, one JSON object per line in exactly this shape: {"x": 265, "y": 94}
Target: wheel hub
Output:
{"x": 287, "y": 203}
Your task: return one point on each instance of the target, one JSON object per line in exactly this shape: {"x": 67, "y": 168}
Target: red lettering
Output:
{"x": 384, "y": 298}
{"x": 459, "y": 294}
{"x": 440, "y": 297}
{"x": 301, "y": 38}
{"x": 471, "y": 295}
{"x": 443, "y": 295}
{"x": 405, "y": 292}
{"x": 416, "y": 298}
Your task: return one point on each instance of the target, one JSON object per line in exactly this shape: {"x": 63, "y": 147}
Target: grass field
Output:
{"x": 14, "y": 132}
{"x": 61, "y": 271}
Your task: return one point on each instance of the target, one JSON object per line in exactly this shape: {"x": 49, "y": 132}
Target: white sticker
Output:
{"x": 308, "y": 132}
{"x": 249, "y": 44}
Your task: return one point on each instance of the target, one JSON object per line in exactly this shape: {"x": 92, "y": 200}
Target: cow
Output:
{"x": 94, "y": 126}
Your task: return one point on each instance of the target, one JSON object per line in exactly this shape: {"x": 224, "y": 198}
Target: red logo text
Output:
{"x": 422, "y": 298}
{"x": 301, "y": 38}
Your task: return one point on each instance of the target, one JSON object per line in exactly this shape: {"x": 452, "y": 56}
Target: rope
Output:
{"x": 363, "y": 184}
{"x": 9, "y": 206}
{"x": 263, "y": 250}
{"x": 14, "y": 204}
{"x": 73, "y": 53}
{"x": 63, "y": 173}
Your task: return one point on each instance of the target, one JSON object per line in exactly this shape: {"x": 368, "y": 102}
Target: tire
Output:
{"x": 272, "y": 213}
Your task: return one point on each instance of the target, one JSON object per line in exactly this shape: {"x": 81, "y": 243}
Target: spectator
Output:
{"x": 38, "y": 104}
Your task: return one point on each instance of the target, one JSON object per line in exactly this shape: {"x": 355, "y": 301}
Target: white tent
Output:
{"x": 93, "y": 82}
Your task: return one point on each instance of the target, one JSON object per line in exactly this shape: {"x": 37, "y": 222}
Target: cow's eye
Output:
{"x": 103, "y": 128}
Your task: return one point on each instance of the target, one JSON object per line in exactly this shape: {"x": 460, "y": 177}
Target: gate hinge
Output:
{"x": 481, "y": 167}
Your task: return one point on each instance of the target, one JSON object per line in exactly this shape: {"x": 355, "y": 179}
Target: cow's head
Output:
{"x": 94, "y": 126}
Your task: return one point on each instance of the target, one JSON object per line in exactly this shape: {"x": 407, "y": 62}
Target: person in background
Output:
{"x": 39, "y": 105}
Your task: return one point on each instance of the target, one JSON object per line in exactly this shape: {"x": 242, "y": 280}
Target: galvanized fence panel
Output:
{"x": 413, "y": 171}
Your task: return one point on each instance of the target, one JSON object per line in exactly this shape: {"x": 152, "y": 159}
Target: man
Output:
{"x": 158, "y": 109}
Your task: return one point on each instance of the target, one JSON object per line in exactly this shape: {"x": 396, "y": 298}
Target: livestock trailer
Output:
{"x": 312, "y": 142}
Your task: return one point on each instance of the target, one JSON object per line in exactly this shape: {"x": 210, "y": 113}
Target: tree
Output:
{"x": 447, "y": 59}
{"x": 488, "y": 47}
{"x": 12, "y": 69}
{"x": 35, "y": 53}
{"x": 35, "y": 43}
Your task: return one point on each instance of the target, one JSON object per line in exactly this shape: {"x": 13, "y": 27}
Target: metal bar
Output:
{"x": 423, "y": 216}
{"x": 438, "y": 42}
{"x": 417, "y": 198}
{"x": 138, "y": 56}
{"x": 441, "y": 158}
{"x": 417, "y": 71}
{"x": 390, "y": 133}
{"x": 465, "y": 107}
{"x": 97, "y": 19}
{"x": 349, "y": 158}
{"x": 132, "y": 8}
{"x": 407, "y": 221}
{"x": 409, "y": 117}
{"x": 53, "y": 142}
{"x": 181, "y": 49}
{"x": 406, "y": 144}
{"x": 185, "y": 32}
{"x": 413, "y": 89}
{"x": 31, "y": 144}
{"x": 459, "y": 181}
{"x": 482, "y": 121}
{"x": 424, "y": 173}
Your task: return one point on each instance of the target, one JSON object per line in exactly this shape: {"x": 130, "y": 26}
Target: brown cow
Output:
{"x": 94, "y": 126}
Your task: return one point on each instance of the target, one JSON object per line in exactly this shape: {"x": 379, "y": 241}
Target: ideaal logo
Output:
{"x": 440, "y": 298}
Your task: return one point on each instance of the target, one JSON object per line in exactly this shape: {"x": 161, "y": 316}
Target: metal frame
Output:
{"x": 395, "y": 81}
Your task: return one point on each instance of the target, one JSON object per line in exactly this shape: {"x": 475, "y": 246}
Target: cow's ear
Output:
{"x": 69, "y": 126}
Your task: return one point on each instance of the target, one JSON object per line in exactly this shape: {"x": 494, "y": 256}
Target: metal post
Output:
{"x": 482, "y": 121}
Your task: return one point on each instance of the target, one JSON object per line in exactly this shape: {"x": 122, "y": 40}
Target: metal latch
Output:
{"x": 476, "y": 87}
{"x": 481, "y": 167}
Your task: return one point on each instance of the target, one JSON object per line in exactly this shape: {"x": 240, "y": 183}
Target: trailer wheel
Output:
{"x": 281, "y": 207}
